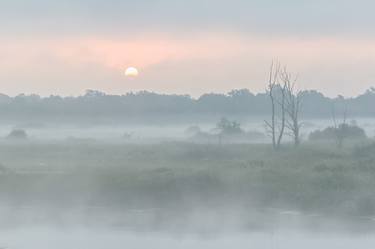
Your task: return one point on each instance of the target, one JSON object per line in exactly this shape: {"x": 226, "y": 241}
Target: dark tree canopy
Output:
{"x": 148, "y": 105}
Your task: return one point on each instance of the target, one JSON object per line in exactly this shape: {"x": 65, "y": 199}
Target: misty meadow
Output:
{"x": 144, "y": 163}
{"x": 175, "y": 124}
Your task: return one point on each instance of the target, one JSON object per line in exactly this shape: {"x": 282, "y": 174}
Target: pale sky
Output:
{"x": 184, "y": 47}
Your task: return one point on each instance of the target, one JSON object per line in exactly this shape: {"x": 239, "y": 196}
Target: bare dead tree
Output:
{"x": 275, "y": 128}
{"x": 272, "y": 83}
{"x": 292, "y": 106}
{"x": 282, "y": 123}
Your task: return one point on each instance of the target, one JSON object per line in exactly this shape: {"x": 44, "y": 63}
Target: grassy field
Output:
{"x": 182, "y": 177}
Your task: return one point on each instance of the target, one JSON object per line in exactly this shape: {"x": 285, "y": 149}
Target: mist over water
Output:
{"x": 45, "y": 238}
{"x": 78, "y": 186}
{"x": 200, "y": 182}
{"x": 200, "y": 124}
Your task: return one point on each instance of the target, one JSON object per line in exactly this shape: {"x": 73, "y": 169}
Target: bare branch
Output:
{"x": 273, "y": 128}
{"x": 293, "y": 104}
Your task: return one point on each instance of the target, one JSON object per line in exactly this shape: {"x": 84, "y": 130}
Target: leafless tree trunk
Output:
{"x": 292, "y": 106}
{"x": 272, "y": 83}
{"x": 282, "y": 104}
{"x": 274, "y": 128}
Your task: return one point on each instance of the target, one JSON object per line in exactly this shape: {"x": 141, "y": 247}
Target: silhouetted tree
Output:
{"x": 276, "y": 93}
{"x": 292, "y": 106}
{"x": 227, "y": 127}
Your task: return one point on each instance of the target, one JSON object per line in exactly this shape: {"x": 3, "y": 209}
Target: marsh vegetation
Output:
{"x": 214, "y": 175}
{"x": 180, "y": 184}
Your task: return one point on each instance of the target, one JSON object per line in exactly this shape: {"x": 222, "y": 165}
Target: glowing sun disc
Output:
{"x": 131, "y": 72}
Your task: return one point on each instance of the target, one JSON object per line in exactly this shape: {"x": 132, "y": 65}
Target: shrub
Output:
{"x": 343, "y": 130}
{"x": 18, "y": 134}
{"x": 227, "y": 127}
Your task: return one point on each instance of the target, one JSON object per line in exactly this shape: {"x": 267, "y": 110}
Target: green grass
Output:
{"x": 314, "y": 178}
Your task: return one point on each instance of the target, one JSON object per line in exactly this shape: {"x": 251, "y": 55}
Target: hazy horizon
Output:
{"x": 50, "y": 47}
{"x": 197, "y": 96}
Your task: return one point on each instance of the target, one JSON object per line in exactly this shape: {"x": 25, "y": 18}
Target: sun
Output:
{"x": 131, "y": 72}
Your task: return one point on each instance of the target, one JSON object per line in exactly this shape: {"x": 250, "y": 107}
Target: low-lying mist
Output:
{"x": 45, "y": 238}
{"x": 192, "y": 186}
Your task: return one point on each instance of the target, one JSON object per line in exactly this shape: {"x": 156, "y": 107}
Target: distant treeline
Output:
{"x": 148, "y": 105}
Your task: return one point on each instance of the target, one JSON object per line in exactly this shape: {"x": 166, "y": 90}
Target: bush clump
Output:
{"x": 17, "y": 134}
{"x": 227, "y": 127}
{"x": 343, "y": 130}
